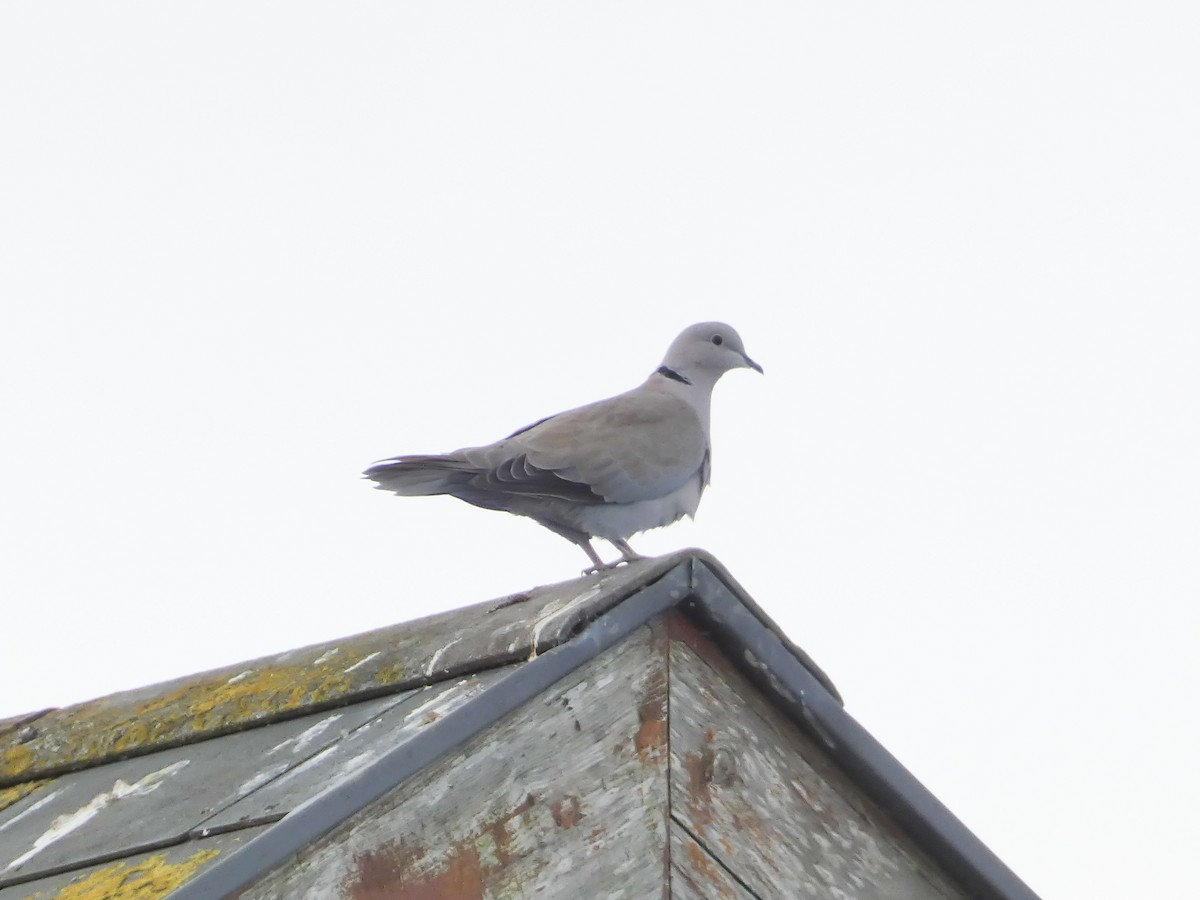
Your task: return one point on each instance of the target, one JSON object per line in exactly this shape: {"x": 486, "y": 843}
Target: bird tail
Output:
{"x": 418, "y": 476}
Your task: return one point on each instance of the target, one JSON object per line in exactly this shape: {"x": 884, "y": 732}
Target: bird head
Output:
{"x": 703, "y": 353}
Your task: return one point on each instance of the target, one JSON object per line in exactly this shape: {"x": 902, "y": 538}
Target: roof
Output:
{"x": 224, "y": 774}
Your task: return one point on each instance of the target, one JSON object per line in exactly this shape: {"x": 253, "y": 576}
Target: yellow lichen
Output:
{"x": 16, "y": 761}
{"x": 147, "y": 880}
{"x": 10, "y": 795}
{"x": 208, "y": 705}
{"x": 390, "y": 674}
{"x": 214, "y": 705}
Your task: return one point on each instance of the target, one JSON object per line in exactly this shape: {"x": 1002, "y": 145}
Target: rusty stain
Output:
{"x": 401, "y": 872}
{"x": 699, "y": 769}
{"x": 430, "y": 717}
{"x": 651, "y": 737}
{"x": 397, "y": 874}
{"x": 500, "y": 833}
{"x": 703, "y": 865}
{"x": 566, "y": 812}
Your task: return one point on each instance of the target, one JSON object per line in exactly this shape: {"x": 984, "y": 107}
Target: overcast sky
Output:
{"x": 246, "y": 249}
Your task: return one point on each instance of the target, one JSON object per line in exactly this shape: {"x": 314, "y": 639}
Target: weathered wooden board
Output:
{"x": 696, "y": 875}
{"x": 134, "y": 804}
{"x": 146, "y": 876}
{"x": 313, "y": 678}
{"x": 766, "y": 803}
{"x": 361, "y": 747}
{"x": 566, "y": 796}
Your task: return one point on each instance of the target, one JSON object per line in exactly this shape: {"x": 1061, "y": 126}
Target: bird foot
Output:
{"x": 628, "y": 555}
{"x": 603, "y": 567}
{"x": 615, "y": 564}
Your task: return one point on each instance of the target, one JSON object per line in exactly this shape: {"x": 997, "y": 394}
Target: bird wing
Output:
{"x": 637, "y": 446}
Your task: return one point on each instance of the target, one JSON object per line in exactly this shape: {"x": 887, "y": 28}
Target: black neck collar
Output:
{"x": 672, "y": 374}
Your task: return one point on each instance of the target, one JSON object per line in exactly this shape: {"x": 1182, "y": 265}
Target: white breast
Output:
{"x": 622, "y": 520}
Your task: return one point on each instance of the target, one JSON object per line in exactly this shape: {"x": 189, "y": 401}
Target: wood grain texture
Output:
{"x": 696, "y": 875}
{"x": 408, "y": 715}
{"x": 566, "y": 796}
{"x": 767, "y": 803}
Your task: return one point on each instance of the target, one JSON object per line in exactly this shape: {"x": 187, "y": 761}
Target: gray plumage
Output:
{"x": 610, "y": 469}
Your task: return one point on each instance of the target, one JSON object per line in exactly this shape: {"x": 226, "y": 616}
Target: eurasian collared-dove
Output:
{"x": 607, "y": 470}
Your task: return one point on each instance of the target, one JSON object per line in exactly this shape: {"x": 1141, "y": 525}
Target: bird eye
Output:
{"x": 718, "y": 340}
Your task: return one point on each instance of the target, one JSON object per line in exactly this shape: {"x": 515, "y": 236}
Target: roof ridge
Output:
{"x": 312, "y": 679}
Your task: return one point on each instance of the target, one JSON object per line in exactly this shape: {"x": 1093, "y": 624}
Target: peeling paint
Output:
{"x": 356, "y": 762}
{"x": 300, "y": 742}
{"x": 261, "y": 778}
{"x": 439, "y": 704}
{"x": 32, "y": 808}
{"x": 555, "y": 611}
{"x": 149, "y": 879}
{"x": 362, "y": 662}
{"x": 438, "y": 654}
{"x": 69, "y": 822}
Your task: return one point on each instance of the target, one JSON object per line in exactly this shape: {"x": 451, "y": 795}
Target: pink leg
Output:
{"x": 627, "y": 552}
{"x": 598, "y": 565}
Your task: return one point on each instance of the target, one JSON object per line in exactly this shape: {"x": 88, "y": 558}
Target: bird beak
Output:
{"x": 752, "y": 364}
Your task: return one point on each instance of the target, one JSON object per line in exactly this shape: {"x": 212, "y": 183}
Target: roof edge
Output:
{"x": 309, "y": 679}
{"x": 770, "y": 661}
{"x": 704, "y": 589}
{"x": 327, "y": 810}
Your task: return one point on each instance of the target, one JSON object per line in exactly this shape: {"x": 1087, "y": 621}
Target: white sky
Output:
{"x": 246, "y": 249}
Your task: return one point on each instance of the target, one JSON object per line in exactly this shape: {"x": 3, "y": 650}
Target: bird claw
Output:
{"x": 605, "y": 567}
{"x": 615, "y": 564}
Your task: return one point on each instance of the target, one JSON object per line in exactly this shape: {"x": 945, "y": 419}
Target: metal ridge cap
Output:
{"x": 709, "y": 567}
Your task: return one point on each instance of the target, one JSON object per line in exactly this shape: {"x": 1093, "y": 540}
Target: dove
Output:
{"x": 608, "y": 470}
